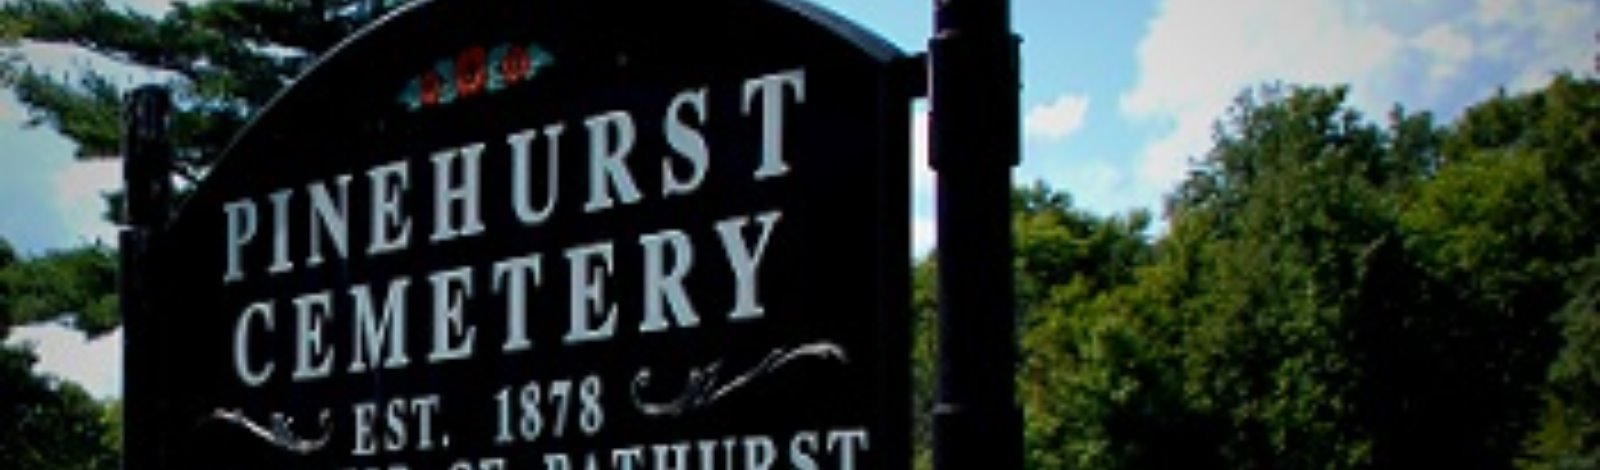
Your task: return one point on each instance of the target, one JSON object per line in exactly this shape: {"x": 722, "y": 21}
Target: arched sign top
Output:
{"x": 723, "y": 26}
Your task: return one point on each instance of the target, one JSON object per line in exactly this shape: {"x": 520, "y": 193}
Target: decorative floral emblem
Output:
{"x": 472, "y": 72}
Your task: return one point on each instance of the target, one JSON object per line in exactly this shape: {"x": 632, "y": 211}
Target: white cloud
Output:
{"x": 1058, "y": 119}
{"x": 1197, "y": 55}
{"x": 65, "y": 61}
{"x": 922, "y": 173}
{"x": 1166, "y": 161}
{"x": 94, "y": 364}
{"x": 922, "y": 234}
{"x": 1490, "y": 12}
{"x": 923, "y": 237}
{"x": 57, "y": 201}
{"x": 153, "y": 7}
{"x": 1559, "y": 34}
{"x": 1448, "y": 48}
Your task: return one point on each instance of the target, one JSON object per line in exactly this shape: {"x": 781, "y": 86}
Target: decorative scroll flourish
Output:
{"x": 281, "y": 433}
{"x": 703, "y": 388}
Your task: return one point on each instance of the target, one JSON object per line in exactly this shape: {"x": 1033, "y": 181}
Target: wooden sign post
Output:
{"x": 146, "y": 173}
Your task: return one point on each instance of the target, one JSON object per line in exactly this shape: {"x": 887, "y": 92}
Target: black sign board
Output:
{"x": 551, "y": 235}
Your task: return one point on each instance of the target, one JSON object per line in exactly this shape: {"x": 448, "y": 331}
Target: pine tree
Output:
{"x": 226, "y": 59}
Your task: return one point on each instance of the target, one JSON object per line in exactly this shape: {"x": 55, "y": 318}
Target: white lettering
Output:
{"x": 364, "y": 412}
{"x": 625, "y": 458}
{"x": 451, "y": 339}
{"x": 424, "y": 408}
{"x": 521, "y": 187}
{"x": 671, "y": 456}
{"x": 847, "y": 443}
{"x": 758, "y": 453}
{"x": 522, "y": 272}
{"x": 332, "y": 220}
{"x": 241, "y": 228}
{"x": 745, "y": 261}
{"x": 391, "y": 229}
{"x": 663, "y": 287}
{"x": 280, "y": 232}
{"x": 588, "y": 294}
{"x": 687, "y": 142}
{"x": 311, "y": 360}
{"x": 557, "y": 462}
{"x": 770, "y": 88}
{"x": 447, "y": 194}
{"x": 800, "y": 449}
{"x": 606, "y": 166}
{"x": 241, "y": 344}
{"x": 395, "y": 440}
{"x": 407, "y": 422}
{"x": 376, "y": 332}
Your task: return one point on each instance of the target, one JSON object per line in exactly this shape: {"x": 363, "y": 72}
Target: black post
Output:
{"x": 146, "y": 173}
{"x": 975, "y": 143}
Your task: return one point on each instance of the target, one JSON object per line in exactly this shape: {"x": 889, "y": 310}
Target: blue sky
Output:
{"x": 1117, "y": 96}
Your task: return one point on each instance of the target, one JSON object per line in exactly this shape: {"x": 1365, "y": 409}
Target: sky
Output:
{"x": 1117, "y": 97}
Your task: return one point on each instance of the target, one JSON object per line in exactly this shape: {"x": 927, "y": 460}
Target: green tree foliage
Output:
{"x": 1064, "y": 254}
{"x": 1065, "y": 258}
{"x": 79, "y": 282}
{"x": 1329, "y": 293}
{"x": 1569, "y": 435}
{"x": 924, "y": 357}
{"x": 46, "y": 423}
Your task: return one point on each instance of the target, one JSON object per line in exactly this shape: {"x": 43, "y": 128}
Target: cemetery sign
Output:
{"x": 548, "y": 235}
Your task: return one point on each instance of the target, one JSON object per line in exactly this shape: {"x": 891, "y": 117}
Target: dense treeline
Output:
{"x": 1327, "y": 293}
